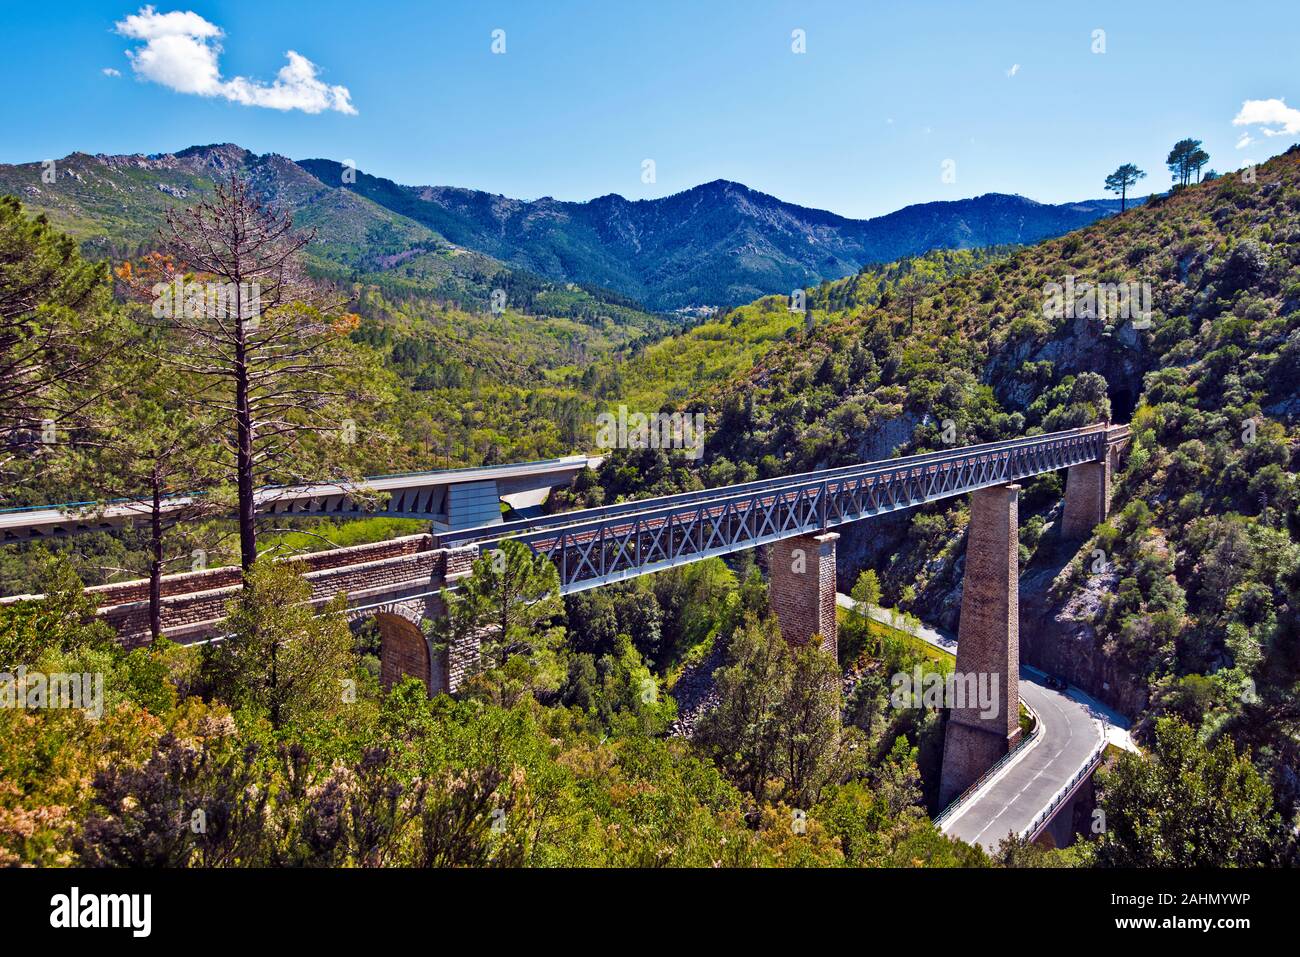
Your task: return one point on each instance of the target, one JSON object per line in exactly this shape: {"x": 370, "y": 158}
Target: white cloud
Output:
{"x": 181, "y": 51}
{"x": 1015, "y": 68}
{"x": 295, "y": 88}
{"x": 1273, "y": 117}
{"x": 109, "y": 71}
{"x": 1244, "y": 141}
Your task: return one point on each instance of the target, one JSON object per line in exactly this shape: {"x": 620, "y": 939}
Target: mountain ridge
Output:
{"x": 721, "y": 243}
{"x": 674, "y": 251}
{"x": 114, "y": 204}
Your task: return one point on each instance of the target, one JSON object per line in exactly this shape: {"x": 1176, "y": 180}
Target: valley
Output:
{"x": 1065, "y": 433}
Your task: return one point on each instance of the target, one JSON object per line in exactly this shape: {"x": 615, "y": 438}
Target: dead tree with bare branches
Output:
{"x": 262, "y": 343}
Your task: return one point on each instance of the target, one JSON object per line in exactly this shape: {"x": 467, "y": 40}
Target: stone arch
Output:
{"x": 404, "y": 650}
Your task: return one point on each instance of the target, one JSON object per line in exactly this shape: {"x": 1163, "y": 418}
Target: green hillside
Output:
{"x": 114, "y": 205}
{"x": 1192, "y": 610}
{"x": 686, "y": 364}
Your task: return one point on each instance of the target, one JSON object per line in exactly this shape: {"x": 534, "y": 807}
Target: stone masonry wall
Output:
{"x": 186, "y": 583}
{"x": 363, "y": 571}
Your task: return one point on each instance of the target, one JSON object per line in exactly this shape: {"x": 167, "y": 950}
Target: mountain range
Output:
{"x": 718, "y": 244}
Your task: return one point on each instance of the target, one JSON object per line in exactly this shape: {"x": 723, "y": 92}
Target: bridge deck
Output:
{"x": 419, "y": 495}
{"x": 597, "y": 546}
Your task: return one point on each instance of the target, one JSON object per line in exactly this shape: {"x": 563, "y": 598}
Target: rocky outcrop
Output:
{"x": 695, "y": 693}
{"x": 1060, "y": 636}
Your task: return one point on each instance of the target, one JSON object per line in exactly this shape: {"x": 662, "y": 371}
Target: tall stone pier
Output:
{"x": 988, "y": 643}
{"x": 1087, "y": 498}
{"x": 801, "y": 576}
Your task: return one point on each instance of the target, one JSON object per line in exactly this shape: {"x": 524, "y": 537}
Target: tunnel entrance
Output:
{"x": 1123, "y": 400}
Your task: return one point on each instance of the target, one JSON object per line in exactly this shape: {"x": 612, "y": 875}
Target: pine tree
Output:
{"x": 509, "y": 604}
{"x": 1186, "y": 157}
{"x": 152, "y": 453}
{"x": 57, "y": 325}
{"x": 1120, "y": 180}
{"x": 282, "y": 657}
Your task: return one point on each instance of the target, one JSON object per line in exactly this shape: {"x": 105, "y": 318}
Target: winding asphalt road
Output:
{"x": 1073, "y": 727}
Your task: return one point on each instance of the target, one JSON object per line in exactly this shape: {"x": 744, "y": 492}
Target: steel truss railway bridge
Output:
{"x": 398, "y": 583}
{"x": 615, "y": 542}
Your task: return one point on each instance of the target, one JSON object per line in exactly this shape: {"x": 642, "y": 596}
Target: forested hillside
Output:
{"x": 1184, "y": 604}
{"x": 684, "y": 365}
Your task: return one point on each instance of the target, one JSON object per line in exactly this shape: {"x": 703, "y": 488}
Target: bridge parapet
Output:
{"x": 405, "y": 570}
{"x": 186, "y": 583}
{"x": 1043, "y": 820}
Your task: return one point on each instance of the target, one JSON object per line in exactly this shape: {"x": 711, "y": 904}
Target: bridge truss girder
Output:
{"x": 605, "y": 548}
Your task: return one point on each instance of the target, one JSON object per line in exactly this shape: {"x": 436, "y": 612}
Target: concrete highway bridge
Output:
{"x": 448, "y": 499}
{"x": 398, "y": 583}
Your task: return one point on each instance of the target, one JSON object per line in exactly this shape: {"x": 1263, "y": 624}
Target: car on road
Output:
{"x": 1056, "y": 682}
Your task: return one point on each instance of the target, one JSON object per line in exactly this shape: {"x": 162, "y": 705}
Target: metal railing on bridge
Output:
{"x": 614, "y": 542}
{"x": 1066, "y": 790}
{"x": 1013, "y": 754}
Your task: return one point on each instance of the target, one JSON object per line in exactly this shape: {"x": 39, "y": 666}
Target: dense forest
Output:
{"x": 585, "y": 737}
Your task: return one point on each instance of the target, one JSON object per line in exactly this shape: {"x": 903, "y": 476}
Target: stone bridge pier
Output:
{"x": 801, "y": 583}
{"x": 988, "y": 629}
{"x": 405, "y": 649}
{"x": 1087, "y": 495}
{"x": 988, "y": 643}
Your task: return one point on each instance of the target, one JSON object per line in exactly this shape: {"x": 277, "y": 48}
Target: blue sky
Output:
{"x": 861, "y": 123}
